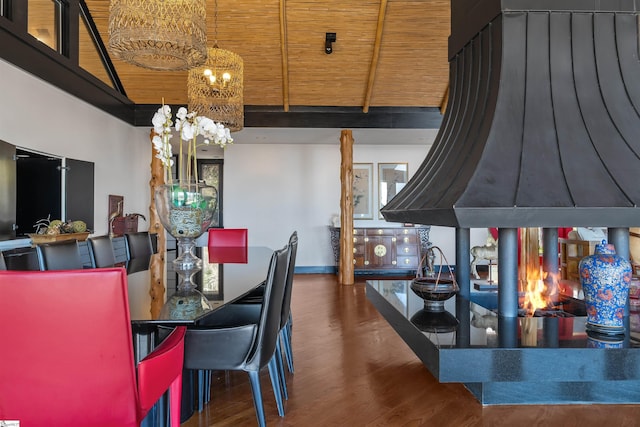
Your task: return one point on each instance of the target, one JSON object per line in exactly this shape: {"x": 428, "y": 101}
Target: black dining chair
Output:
{"x": 224, "y": 342}
{"x": 286, "y": 320}
{"x": 138, "y": 244}
{"x": 101, "y": 251}
{"x": 64, "y": 255}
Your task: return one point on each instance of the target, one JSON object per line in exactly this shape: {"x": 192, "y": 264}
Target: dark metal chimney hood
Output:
{"x": 543, "y": 123}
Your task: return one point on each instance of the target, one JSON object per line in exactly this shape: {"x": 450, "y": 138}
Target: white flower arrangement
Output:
{"x": 189, "y": 126}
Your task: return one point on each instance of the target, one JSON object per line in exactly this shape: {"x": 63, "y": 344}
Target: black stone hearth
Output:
{"x": 490, "y": 356}
{"x": 540, "y": 131}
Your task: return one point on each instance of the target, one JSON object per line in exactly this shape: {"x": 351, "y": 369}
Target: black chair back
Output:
{"x": 101, "y": 250}
{"x": 249, "y": 346}
{"x": 63, "y": 255}
{"x": 286, "y": 303}
{"x": 138, "y": 244}
{"x": 269, "y": 326}
{"x": 3, "y": 265}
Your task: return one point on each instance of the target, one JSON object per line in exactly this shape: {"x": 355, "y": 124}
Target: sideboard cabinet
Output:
{"x": 384, "y": 248}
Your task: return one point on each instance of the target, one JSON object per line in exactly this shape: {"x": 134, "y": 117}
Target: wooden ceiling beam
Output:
{"x": 445, "y": 101}
{"x": 376, "y": 54}
{"x": 285, "y": 57}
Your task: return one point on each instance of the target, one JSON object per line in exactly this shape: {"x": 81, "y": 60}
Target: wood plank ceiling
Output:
{"x": 388, "y": 53}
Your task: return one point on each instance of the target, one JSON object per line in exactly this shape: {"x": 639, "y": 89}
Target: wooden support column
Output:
{"x": 284, "y": 49}
{"x": 157, "y": 264}
{"x": 345, "y": 275}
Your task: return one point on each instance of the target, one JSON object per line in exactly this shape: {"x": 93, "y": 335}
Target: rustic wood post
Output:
{"x": 157, "y": 264}
{"x": 345, "y": 276}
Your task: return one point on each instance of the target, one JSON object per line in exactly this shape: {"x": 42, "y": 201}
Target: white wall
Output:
{"x": 273, "y": 189}
{"x": 38, "y": 116}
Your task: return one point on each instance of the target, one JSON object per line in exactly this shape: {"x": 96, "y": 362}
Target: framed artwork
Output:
{"x": 363, "y": 191}
{"x": 391, "y": 178}
{"x": 210, "y": 171}
{"x": 116, "y": 207}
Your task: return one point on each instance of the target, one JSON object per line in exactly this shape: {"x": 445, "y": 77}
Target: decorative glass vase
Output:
{"x": 605, "y": 279}
{"x": 186, "y": 212}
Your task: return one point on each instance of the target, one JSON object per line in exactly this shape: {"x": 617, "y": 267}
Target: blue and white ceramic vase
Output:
{"x": 605, "y": 279}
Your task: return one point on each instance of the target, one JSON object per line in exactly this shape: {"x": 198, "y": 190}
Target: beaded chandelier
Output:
{"x": 215, "y": 89}
{"x": 158, "y": 34}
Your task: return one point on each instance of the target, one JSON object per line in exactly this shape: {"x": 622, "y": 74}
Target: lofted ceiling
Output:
{"x": 388, "y": 53}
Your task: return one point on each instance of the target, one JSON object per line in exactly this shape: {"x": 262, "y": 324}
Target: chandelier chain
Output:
{"x": 215, "y": 23}
{"x": 215, "y": 89}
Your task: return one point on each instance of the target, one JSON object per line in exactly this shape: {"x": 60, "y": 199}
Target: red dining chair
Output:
{"x": 67, "y": 352}
{"x": 228, "y": 245}
{"x": 228, "y": 237}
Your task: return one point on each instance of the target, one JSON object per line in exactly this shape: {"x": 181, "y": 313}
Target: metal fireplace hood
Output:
{"x": 542, "y": 127}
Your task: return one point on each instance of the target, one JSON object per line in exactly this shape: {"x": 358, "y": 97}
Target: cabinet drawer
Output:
{"x": 407, "y": 261}
{"x": 407, "y": 231}
{"x": 380, "y": 232}
{"x": 406, "y": 249}
{"x": 407, "y": 239}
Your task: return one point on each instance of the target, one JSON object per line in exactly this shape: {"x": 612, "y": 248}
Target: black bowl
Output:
{"x": 435, "y": 322}
{"x": 434, "y": 291}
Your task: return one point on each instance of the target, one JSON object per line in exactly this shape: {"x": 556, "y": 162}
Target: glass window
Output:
{"x": 88, "y": 53}
{"x": 44, "y": 21}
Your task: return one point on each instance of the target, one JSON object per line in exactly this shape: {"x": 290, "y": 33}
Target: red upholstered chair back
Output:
{"x": 228, "y": 237}
{"x": 67, "y": 352}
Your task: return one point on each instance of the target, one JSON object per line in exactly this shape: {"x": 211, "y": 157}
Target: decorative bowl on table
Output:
{"x": 48, "y": 231}
{"x": 37, "y": 239}
{"x": 434, "y": 291}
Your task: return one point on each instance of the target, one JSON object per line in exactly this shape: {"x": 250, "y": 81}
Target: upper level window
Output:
{"x": 88, "y": 53}
{"x": 44, "y": 22}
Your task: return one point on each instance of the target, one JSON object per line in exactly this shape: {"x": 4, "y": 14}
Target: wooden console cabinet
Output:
{"x": 571, "y": 252}
{"x": 385, "y": 248}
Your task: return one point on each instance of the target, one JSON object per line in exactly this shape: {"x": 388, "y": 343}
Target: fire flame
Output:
{"x": 535, "y": 284}
{"x": 538, "y": 291}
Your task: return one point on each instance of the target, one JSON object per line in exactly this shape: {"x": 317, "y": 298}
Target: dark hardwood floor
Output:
{"x": 352, "y": 369}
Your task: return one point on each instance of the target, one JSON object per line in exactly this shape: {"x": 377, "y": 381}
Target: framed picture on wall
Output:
{"x": 363, "y": 191}
{"x": 391, "y": 178}
{"x": 210, "y": 171}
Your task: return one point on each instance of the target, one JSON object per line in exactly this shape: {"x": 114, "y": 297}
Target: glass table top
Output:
{"x": 475, "y": 323}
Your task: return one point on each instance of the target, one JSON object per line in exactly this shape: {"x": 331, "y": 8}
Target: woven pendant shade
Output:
{"x": 215, "y": 89}
{"x": 165, "y": 35}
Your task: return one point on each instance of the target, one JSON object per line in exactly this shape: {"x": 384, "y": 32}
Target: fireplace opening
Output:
{"x": 559, "y": 306}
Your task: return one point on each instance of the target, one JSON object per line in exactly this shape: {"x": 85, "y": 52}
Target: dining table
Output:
{"x": 227, "y": 275}
{"x": 222, "y": 280}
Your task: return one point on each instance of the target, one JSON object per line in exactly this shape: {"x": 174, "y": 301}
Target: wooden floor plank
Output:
{"x": 352, "y": 369}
